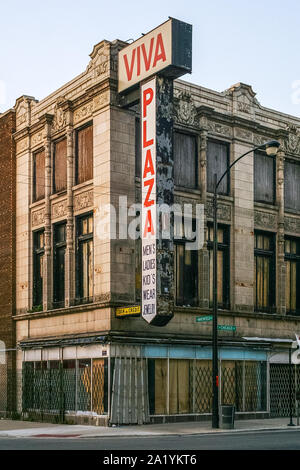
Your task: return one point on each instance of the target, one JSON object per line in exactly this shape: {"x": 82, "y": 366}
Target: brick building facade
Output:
{"x": 78, "y": 150}
{"x": 7, "y": 258}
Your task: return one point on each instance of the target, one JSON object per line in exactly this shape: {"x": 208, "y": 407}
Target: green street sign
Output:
{"x": 202, "y": 319}
{"x": 226, "y": 328}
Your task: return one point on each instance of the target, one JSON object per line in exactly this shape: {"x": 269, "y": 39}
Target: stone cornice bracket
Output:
{"x": 46, "y": 119}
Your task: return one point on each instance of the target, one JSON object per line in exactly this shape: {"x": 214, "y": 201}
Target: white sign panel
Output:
{"x": 148, "y": 232}
{"x": 146, "y": 56}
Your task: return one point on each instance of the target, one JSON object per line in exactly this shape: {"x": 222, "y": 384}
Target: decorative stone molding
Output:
{"x": 83, "y": 112}
{"x": 243, "y": 134}
{"x": 217, "y": 128}
{"x": 59, "y": 209}
{"x": 265, "y": 220}
{"x": 60, "y": 120}
{"x": 38, "y": 217}
{"x": 184, "y": 108}
{"x": 292, "y": 143}
{"x": 223, "y": 213}
{"x": 292, "y": 225}
{"x": 101, "y": 100}
{"x": 83, "y": 200}
{"x": 260, "y": 140}
{"x": 22, "y": 145}
{"x": 37, "y": 138}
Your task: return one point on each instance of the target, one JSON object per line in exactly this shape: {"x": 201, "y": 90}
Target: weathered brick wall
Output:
{"x": 7, "y": 228}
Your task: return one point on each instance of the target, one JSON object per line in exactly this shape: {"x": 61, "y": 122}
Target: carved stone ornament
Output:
{"x": 22, "y": 145}
{"x": 38, "y": 217}
{"x": 83, "y": 112}
{"x": 83, "y": 200}
{"x": 59, "y": 209}
{"x": 217, "y": 128}
{"x": 37, "y": 138}
{"x": 246, "y": 135}
{"x": 244, "y": 105}
{"x": 21, "y": 115}
{"x": 265, "y": 220}
{"x": 292, "y": 143}
{"x": 260, "y": 140}
{"x": 292, "y": 225}
{"x": 101, "y": 100}
{"x": 184, "y": 109}
{"x": 223, "y": 212}
{"x": 59, "y": 121}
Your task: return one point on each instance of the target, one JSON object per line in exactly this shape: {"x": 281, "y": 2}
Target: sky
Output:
{"x": 45, "y": 44}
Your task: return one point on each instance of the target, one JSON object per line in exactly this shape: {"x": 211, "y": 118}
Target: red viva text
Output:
{"x": 141, "y": 56}
{"x": 148, "y": 175}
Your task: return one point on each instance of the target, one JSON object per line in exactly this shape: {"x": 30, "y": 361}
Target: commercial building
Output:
{"x": 77, "y": 151}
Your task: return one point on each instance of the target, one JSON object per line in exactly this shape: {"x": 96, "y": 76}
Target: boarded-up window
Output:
{"x": 84, "y": 161}
{"x": 292, "y": 186}
{"x": 217, "y": 163}
{"x": 223, "y": 267}
{"x": 185, "y": 160}
{"x": 60, "y": 166}
{"x": 264, "y": 178}
{"x": 292, "y": 259}
{"x": 39, "y": 176}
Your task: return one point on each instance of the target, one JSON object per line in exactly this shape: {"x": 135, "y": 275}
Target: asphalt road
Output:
{"x": 270, "y": 440}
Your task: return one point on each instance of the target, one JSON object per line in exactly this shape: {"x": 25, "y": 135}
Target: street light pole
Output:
{"x": 271, "y": 149}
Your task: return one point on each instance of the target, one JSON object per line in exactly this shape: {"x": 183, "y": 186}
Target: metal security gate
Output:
{"x": 280, "y": 389}
{"x": 52, "y": 389}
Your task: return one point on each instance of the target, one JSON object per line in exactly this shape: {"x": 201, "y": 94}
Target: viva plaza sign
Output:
{"x": 152, "y": 63}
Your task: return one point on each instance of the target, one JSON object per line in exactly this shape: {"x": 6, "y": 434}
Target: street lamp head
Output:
{"x": 272, "y": 148}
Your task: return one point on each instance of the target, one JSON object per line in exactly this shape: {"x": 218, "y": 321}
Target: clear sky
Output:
{"x": 45, "y": 44}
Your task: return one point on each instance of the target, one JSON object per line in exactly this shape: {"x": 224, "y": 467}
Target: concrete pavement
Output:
{"x": 22, "y": 429}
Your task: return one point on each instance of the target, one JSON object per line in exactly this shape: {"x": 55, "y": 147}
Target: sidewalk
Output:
{"x": 10, "y": 428}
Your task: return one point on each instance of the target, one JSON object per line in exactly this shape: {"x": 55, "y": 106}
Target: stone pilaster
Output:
{"x": 203, "y": 257}
{"x": 280, "y": 262}
{"x": 69, "y": 257}
{"x": 47, "y": 278}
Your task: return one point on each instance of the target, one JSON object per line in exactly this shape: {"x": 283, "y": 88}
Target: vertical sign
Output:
{"x": 149, "y": 226}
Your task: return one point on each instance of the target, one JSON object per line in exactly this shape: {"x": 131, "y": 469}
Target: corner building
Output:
{"x": 78, "y": 150}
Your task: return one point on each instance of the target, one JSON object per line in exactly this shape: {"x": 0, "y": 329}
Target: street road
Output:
{"x": 269, "y": 440}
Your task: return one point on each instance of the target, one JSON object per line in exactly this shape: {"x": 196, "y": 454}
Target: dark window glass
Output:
{"x": 84, "y": 153}
{"x": 60, "y": 166}
{"x": 39, "y": 176}
{"x": 186, "y": 268}
{"x": 138, "y": 149}
{"x": 264, "y": 178}
{"x": 264, "y": 272}
{"x": 292, "y": 186}
{"x": 59, "y": 265}
{"x": 217, "y": 163}
{"x": 185, "y": 160}
{"x": 38, "y": 257}
{"x": 84, "y": 271}
{"x": 223, "y": 265}
{"x": 292, "y": 259}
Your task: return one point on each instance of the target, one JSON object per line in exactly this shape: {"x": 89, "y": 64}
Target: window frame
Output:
{"x": 228, "y": 176}
{"x": 80, "y": 240}
{"x": 264, "y": 154}
{"x": 37, "y": 253}
{"x": 294, "y": 257}
{"x": 269, "y": 254}
{"x": 223, "y": 247}
{"x": 54, "y": 190}
{"x": 57, "y": 245}
{"x": 196, "y": 169}
{"x": 34, "y": 177}
{"x": 77, "y": 130}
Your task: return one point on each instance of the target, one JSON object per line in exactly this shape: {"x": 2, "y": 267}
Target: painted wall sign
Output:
{"x": 128, "y": 311}
{"x": 148, "y": 120}
{"x": 167, "y": 49}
